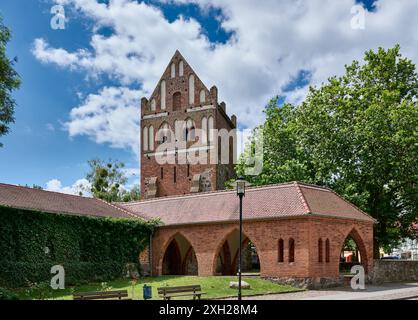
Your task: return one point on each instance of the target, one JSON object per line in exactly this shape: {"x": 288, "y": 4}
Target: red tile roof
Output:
{"x": 275, "y": 201}
{"x": 54, "y": 202}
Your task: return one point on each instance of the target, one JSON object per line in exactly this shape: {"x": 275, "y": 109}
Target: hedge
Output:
{"x": 90, "y": 248}
{"x": 7, "y": 295}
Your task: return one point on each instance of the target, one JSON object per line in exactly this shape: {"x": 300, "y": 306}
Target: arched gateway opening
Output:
{"x": 227, "y": 256}
{"x": 179, "y": 258}
{"x": 352, "y": 253}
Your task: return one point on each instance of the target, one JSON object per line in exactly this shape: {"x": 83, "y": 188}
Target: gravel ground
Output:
{"x": 383, "y": 292}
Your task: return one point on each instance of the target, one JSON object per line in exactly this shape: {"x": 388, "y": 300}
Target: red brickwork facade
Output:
{"x": 207, "y": 241}
{"x": 170, "y": 102}
{"x": 298, "y": 230}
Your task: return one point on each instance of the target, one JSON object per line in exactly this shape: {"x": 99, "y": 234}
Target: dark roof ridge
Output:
{"x": 134, "y": 215}
{"x": 302, "y": 197}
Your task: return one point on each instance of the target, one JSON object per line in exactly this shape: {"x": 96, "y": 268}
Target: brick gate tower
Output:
{"x": 178, "y": 122}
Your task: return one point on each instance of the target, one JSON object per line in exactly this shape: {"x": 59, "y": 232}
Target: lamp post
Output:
{"x": 241, "y": 194}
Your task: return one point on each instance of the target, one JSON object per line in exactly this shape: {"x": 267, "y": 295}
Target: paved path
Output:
{"x": 388, "y": 291}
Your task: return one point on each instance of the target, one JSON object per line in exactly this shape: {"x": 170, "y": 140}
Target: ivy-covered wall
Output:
{"x": 89, "y": 248}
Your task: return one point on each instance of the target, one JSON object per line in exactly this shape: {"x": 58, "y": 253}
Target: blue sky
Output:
{"x": 248, "y": 53}
{"x": 38, "y": 150}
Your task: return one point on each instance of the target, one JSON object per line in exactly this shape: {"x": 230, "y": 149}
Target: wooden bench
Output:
{"x": 180, "y": 291}
{"x": 101, "y": 295}
{"x": 347, "y": 279}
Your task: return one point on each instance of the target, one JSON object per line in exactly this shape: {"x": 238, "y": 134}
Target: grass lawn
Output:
{"x": 214, "y": 286}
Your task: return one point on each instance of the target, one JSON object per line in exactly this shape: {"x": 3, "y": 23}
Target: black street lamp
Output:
{"x": 241, "y": 194}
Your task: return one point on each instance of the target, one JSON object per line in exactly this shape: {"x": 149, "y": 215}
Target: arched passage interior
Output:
{"x": 353, "y": 252}
{"x": 179, "y": 257}
{"x": 227, "y": 256}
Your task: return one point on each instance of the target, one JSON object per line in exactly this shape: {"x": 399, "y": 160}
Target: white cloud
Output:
{"x": 272, "y": 41}
{"x": 81, "y": 185}
{"x": 131, "y": 172}
{"x": 111, "y": 116}
{"x": 59, "y": 56}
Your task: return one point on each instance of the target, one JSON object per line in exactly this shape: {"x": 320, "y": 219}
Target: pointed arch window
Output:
{"x": 145, "y": 139}
{"x": 320, "y": 254}
{"x": 327, "y": 250}
{"x": 190, "y": 130}
{"x": 153, "y": 105}
{"x": 177, "y": 129}
{"x": 210, "y": 129}
{"x": 176, "y": 101}
{"x": 181, "y": 68}
{"x": 151, "y": 138}
{"x": 280, "y": 257}
{"x": 163, "y": 95}
{"x": 291, "y": 250}
{"x": 173, "y": 70}
{"x": 202, "y": 96}
{"x": 164, "y": 133}
{"x": 191, "y": 90}
{"x": 204, "y": 130}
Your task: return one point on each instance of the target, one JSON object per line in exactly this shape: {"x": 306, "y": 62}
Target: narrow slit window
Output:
{"x": 291, "y": 250}
{"x": 320, "y": 250}
{"x": 280, "y": 257}
{"x": 327, "y": 249}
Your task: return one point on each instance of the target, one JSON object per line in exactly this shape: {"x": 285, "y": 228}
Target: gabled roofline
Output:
{"x": 177, "y": 52}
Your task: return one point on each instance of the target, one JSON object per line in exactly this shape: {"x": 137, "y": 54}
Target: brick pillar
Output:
{"x": 205, "y": 264}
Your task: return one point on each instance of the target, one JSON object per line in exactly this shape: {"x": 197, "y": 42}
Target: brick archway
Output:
{"x": 356, "y": 236}
{"x": 247, "y": 257}
{"x": 179, "y": 249}
{"x": 189, "y": 263}
{"x": 177, "y": 101}
{"x": 172, "y": 259}
{"x": 231, "y": 260}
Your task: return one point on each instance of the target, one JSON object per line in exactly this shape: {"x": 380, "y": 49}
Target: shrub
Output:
{"x": 6, "y": 294}
{"x": 89, "y": 248}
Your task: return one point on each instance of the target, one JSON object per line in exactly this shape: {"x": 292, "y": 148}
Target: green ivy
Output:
{"x": 7, "y": 295}
{"x": 89, "y": 248}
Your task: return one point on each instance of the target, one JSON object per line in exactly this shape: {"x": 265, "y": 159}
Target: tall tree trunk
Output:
{"x": 376, "y": 249}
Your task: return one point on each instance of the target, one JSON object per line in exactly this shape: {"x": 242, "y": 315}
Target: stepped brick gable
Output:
{"x": 180, "y": 105}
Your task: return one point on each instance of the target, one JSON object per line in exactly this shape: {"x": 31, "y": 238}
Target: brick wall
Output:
{"x": 336, "y": 231}
{"x": 394, "y": 271}
{"x": 166, "y": 184}
{"x": 207, "y": 241}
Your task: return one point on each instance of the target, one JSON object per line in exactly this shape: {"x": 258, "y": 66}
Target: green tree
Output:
{"x": 106, "y": 179}
{"x": 357, "y": 134}
{"x": 133, "y": 194}
{"x": 9, "y": 81}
